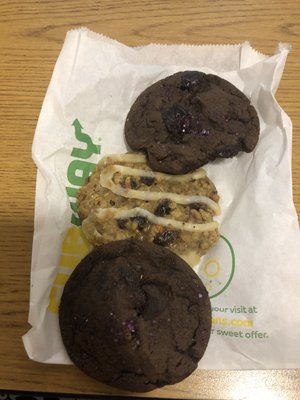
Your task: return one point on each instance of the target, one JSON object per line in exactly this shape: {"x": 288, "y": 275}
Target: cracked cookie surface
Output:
{"x": 134, "y": 315}
{"x": 190, "y": 118}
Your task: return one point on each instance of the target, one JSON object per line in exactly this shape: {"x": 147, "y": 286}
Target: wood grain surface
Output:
{"x": 31, "y": 36}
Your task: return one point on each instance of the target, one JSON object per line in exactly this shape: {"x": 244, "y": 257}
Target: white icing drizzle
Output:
{"x": 106, "y": 180}
{"x": 106, "y": 213}
{"x": 198, "y": 174}
{"x": 126, "y": 157}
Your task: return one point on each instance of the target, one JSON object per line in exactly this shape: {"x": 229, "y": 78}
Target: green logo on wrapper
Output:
{"x": 79, "y": 170}
{"x": 74, "y": 246}
{"x": 218, "y": 268}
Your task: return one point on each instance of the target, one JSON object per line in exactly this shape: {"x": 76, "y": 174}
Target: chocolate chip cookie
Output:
{"x": 134, "y": 315}
{"x": 190, "y": 118}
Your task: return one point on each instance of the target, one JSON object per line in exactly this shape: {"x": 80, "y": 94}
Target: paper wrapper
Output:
{"x": 252, "y": 274}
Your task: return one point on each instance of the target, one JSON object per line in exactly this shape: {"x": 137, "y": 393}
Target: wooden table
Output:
{"x": 32, "y": 34}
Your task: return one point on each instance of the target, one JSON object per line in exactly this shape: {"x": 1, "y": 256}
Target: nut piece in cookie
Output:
{"x": 135, "y": 316}
{"x": 124, "y": 198}
{"x": 190, "y": 118}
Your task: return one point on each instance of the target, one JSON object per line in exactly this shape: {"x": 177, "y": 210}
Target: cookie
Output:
{"x": 135, "y": 316}
{"x": 124, "y": 198}
{"x": 190, "y": 118}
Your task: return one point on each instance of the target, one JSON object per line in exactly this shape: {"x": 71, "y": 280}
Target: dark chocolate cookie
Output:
{"x": 134, "y": 315}
{"x": 189, "y": 119}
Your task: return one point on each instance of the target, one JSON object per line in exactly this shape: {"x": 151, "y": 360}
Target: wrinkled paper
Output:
{"x": 252, "y": 274}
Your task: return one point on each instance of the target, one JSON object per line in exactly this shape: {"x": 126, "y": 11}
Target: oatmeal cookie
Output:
{"x": 124, "y": 198}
